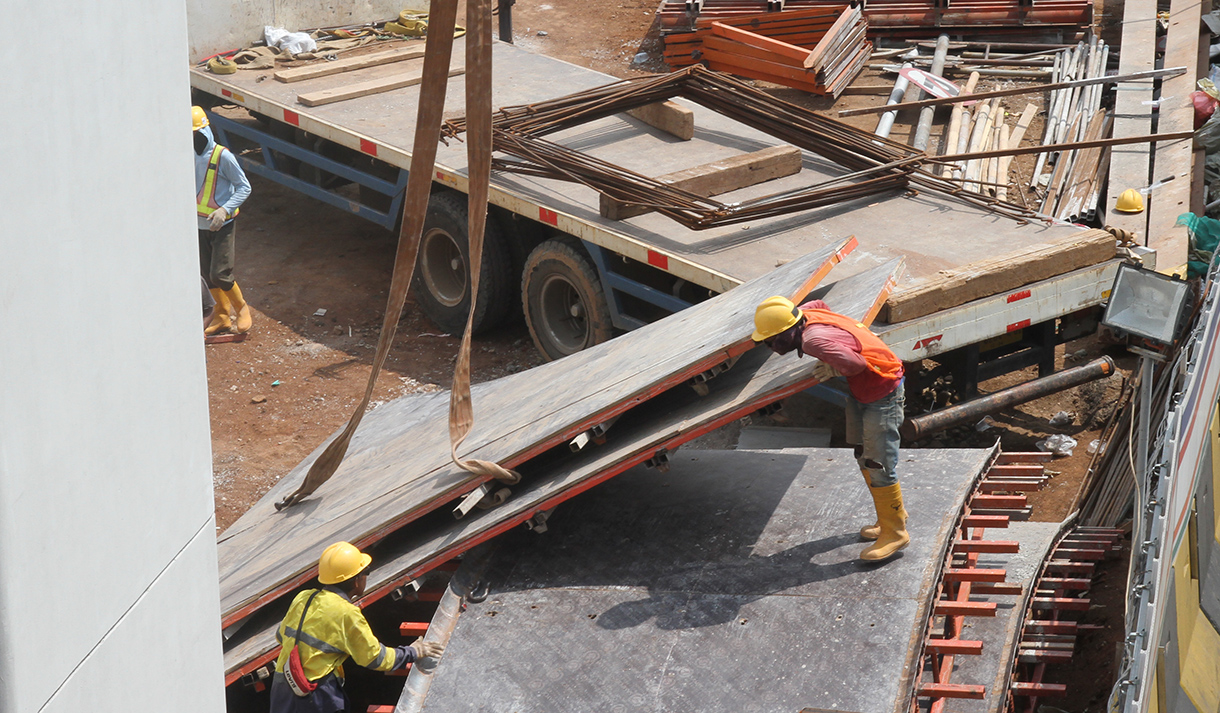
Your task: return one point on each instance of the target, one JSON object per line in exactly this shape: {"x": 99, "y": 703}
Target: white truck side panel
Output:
{"x": 218, "y": 27}
{"x": 108, "y": 584}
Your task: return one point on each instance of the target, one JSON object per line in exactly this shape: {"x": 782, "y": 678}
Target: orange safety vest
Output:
{"x": 205, "y": 200}
{"x": 879, "y": 358}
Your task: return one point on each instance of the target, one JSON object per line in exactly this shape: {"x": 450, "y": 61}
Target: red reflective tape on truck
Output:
{"x": 549, "y": 217}
{"x": 368, "y": 147}
{"x": 226, "y": 92}
{"x": 1018, "y": 296}
{"x": 927, "y": 342}
{"x": 657, "y": 259}
{"x": 1018, "y": 325}
{"x": 440, "y": 176}
{"x": 292, "y": 117}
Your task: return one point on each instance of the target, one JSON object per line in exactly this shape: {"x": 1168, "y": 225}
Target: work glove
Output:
{"x": 217, "y": 219}
{"x": 427, "y": 649}
{"x": 823, "y": 372}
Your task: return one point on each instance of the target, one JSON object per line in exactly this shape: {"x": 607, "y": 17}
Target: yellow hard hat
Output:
{"x": 198, "y": 118}
{"x": 1130, "y": 201}
{"x": 774, "y": 316}
{"x": 340, "y": 562}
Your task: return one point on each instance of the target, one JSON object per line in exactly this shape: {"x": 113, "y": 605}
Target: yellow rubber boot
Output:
{"x": 240, "y": 309}
{"x": 892, "y": 518}
{"x": 220, "y": 319}
{"x": 869, "y": 532}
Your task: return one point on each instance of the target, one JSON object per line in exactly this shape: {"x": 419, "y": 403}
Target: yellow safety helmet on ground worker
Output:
{"x": 774, "y": 316}
{"x": 1130, "y": 201}
{"x": 198, "y": 118}
{"x": 340, "y": 562}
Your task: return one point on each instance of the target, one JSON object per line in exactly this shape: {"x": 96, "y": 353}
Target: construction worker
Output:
{"x": 322, "y": 629}
{"x": 220, "y": 189}
{"x": 874, "y": 411}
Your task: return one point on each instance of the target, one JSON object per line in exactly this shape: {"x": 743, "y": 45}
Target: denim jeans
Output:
{"x": 873, "y": 429}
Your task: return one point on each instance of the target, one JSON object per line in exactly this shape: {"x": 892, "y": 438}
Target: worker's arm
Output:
{"x": 231, "y": 171}
{"x": 835, "y": 347}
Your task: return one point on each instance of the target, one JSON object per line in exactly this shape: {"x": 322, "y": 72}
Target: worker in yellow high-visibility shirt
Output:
{"x": 220, "y": 189}
{"x": 322, "y": 629}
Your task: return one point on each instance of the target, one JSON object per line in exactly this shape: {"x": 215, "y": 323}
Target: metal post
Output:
{"x": 923, "y": 130}
{"x": 1141, "y": 463}
{"x": 505, "y": 9}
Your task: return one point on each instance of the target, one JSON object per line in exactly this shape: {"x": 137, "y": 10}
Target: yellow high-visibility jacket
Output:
{"x": 334, "y": 629}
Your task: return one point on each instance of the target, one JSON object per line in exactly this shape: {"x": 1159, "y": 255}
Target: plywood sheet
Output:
{"x": 663, "y": 422}
{"x": 730, "y": 583}
{"x": 398, "y": 465}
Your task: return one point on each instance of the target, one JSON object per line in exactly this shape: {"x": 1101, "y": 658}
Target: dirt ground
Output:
{"x": 317, "y": 277}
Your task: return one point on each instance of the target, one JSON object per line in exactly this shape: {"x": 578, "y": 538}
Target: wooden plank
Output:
{"x": 373, "y": 86}
{"x": 1045, "y": 626}
{"x": 1028, "y": 688}
{"x": 672, "y": 118}
{"x": 1172, "y": 163}
{"x": 325, "y": 69}
{"x": 1038, "y": 88}
{"x": 718, "y": 177}
{"x": 1059, "y": 603}
{"x": 1000, "y": 589}
{"x": 950, "y": 288}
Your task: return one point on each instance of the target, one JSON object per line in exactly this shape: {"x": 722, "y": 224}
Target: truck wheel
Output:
{"x": 565, "y": 306}
{"x": 442, "y": 282}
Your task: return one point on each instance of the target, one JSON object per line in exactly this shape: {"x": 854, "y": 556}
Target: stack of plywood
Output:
{"x": 820, "y": 50}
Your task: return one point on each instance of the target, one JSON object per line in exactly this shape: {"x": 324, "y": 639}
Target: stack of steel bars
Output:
{"x": 1074, "y": 185}
{"x": 905, "y": 18}
{"x": 875, "y": 165}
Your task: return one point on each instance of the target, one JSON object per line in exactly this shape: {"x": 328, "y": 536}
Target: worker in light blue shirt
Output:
{"x": 220, "y": 189}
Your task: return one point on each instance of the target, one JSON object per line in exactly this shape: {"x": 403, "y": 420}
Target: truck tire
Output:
{"x": 564, "y": 303}
{"x": 442, "y": 283}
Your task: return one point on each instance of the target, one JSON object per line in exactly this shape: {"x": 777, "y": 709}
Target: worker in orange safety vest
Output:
{"x": 874, "y": 412}
{"x": 220, "y": 189}
{"x": 323, "y": 628}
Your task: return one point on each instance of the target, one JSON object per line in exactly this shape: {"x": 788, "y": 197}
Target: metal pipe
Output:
{"x": 923, "y": 130}
{"x": 444, "y": 621}
{"x": 886, "y": 123}
{"x": 505, "y": 11}
{"x": 969, "y": 412}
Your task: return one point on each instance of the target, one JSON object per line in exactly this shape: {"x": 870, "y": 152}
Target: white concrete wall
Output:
{"x": 108, "y": 594}
{"x": 223, "y": 25}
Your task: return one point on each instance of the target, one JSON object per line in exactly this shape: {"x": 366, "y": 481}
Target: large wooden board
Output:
{"x": 664, "y": 422}
{"x": 950, "y": 288}
{"x": 398, "y": 465}
{"x": 407, "y": 78}
{"x": 1172, "y": 165}
{"x": 374, "y": 59}
{"x": 1130, "y": 164}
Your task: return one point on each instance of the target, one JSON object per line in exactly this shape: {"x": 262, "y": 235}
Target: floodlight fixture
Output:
{"x": 1147, "y": 304}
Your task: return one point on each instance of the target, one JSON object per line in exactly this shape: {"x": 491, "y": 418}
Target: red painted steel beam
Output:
{"x": 1009, "y": 486}
{"x": 954, "y": 608}
{"x": 952, "y": 690}
{"x": 970, "y": 574}
{"x": 1080, "y": 553}
{"x": 991, "y": 546}
{"x": 1015, "y": 469}
{"x": 998, "y": 502}
{"x": 1064, "y": 583}
{"x": 1018, "y": 457}
{"x": 983, "y": 521}
{"x": 1060, "y": 603}
{"x": 1035, "y": 656}
{"x": 954, "y": 647}
{"x": 1000, "y": 589}
{"x": 1044, "y": 626}
{"x": 1066, "y": 566}
{"x": 413, "y": 628}
{"x": 1029, "y": 688}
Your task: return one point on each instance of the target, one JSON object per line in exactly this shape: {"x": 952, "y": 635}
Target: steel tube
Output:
{"x": 886, "y": 123}
{"x": 923, "y": 130}
{"x": 971, "y": 411}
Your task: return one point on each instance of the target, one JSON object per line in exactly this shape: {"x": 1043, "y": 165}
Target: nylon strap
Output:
{"x": 437, "y": 51}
